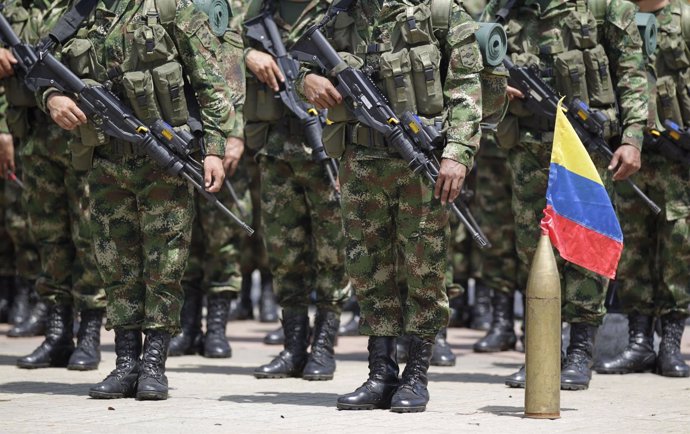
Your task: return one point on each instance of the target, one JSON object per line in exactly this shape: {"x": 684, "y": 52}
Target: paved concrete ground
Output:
{"x": 222, "y": 396}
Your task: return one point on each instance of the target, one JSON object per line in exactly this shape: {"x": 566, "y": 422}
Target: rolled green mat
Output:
{"x": 647, "y": 25}
{"x": 218, "y": 12}
{"x": 493, "y": 43}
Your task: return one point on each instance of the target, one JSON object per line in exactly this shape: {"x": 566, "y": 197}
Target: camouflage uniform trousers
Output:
{"x": 26, "y": 261}
{"x": 304, "y": 234}
{"x": 583, "y": 292}
{"x": 253, "y": 251}
{"x": 215, "y": 250}
{"x": 142, "y": 225}
{"x": 459, "y": 251}
{"x": 394, "y": 225}
{"x": 6, "y": 246}
{"x": 57, "y": 204}
{"x": 498, "y": 267}
{"x": 654, "y": 271}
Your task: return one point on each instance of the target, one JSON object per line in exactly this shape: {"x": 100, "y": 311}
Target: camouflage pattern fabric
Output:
{"x": 141, "y": 220}
{"x": 6, "y": 247}
{"x": 254, "y": 255}
{"x": 497, "y": 268}
{"x": 57, "y": 204}
{"x": 393, "y": 222}
{"x": 529, "y": 149}
{"x": 303, "y": 230}
{"x": 655, "y": 265}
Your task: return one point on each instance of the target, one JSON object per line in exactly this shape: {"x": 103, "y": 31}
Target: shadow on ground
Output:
{"x": 286, "y": 398}
{"x": 505, "y": 410}
{"x": 8, "y": 360}
{"x": 46, "y": 388}
{"x": 212, "y": 369}
{"x": 466, "y": 377}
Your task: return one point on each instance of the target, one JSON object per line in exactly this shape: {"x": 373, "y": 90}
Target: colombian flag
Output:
{"x": 579, "y": 217}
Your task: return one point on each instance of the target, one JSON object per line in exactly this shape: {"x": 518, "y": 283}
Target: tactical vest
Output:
{"x": 407, "y": 69}
{"x": 565, "y": 45}
{"x": 150, "y": 79}
{"x": 672, "y": 65}
{"x": 28, "y": 23}
{"x": 263, "y": 108}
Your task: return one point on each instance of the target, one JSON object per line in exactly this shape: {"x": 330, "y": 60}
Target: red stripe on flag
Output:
{"x": 582, "y": 246}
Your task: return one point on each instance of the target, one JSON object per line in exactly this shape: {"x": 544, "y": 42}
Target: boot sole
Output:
{"x": 82, "y": 367}
{"x": 218, "y": 356}
{"x": 151, "y": 396}
{"x": 450, "y": 363}
{"x": 672, "y": 374}
{"x": 408, "y": 409}
{"x": 574, "y": 386}
{"x": 359, "y": 407}
{"x": 515, "y": 385}
{"x": 317, "y": 377}
{"x": 494, "y": 349}
{"x": 106, "y": 395}
{"x": 262, "y": 376}
{"x": 621, "y": 371}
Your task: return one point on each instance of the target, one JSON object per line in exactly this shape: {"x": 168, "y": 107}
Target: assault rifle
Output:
{"x": 672, "y": 142}
{"x": 265, "y": 31}
{"x": 589, "y": 125}
{"x": 411, "y": 138}
{"x": 168, "y": 148}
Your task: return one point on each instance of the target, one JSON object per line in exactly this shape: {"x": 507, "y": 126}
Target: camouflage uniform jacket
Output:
{"x": 538, "y": 28}
{"x": 111, "y": 31}
{"x": 375, "y": 23}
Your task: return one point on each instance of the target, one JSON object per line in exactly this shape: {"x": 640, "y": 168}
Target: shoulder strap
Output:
{"x": 167, "y": 9}
{"x": 440, "y": 14}
{"x": 68, "y": 25}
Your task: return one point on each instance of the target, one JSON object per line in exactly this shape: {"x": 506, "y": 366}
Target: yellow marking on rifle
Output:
{"x": 167, "y": 134}
{"x": 414, "y": 127}
{"x": 393, "y": 121}
{"x": 329, "y": 122}
{"x": 312, "y": 111}
{"x": 655, "y": 133}
{"x": 582, "y": 115}
{"x": 142, "y": 130}
{"x": 675, "y": 135}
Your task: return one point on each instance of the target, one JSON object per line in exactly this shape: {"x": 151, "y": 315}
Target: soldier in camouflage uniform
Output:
{"x": 214, "y": 262}
{"x": 7, "y": 271}
{"x": 300, "y": 212}
{"x": 558, "y": 35}
{"x": 56, "y": 200}
{"x": 141, "y": 216}
{"x": 655, "y": 265}
{"x": 397, "y": 226}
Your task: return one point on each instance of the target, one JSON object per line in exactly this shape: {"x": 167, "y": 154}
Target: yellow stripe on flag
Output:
{"x": 568, "y": 150}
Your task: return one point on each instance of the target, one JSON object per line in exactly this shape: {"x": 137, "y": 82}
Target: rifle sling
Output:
{"x": 69, "y": 23}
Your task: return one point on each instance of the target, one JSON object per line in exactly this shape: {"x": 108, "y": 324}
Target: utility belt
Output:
{"x": 612, "y": 128}
{"x": 116, "y": 150}
{"x": 364, "y": 136}
{"x": 290, "y": 126}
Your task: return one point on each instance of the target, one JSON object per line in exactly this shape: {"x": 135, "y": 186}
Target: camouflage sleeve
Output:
{"x": 623, "y": 45}
{"x": 233, "y": 60}
{"x": 490, "y": 11}
{"x": 462, "y": 89}
{"x": 200, "y": 51}
{"x": 3, "y": 112}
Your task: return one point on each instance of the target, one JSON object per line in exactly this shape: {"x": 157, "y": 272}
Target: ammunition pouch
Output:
{"x": 599, "y": 85}
{"x": 80, "y": 56}
{"x": 151, "y": 45}
{"x": 18, "y": 121}
{"x": 571, "y": 79}
{"x": 261, "y": 103}
{"x": 17, "y": 94}
{"x": 256, "y": 135}
{"x": 668, "y": 106}
{"x": 138, "y": 87}
{"x": 395, "y": 71}
{"x": 168, "y": 83}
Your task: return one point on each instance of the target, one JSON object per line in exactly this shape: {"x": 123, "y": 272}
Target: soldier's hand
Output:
{"x": 321, "y": 92}
{"x": 234, "y": 148}
{"x": 514, "y": 93}
{"x": 626, "y": 161}
{"x": 65, "y": 112}
{"x": 214, "y": 174}
{"x": 451, "y": 176}
{"x": 7, "y": 59}
{"x": 264, "y": 67}
{"x": 6, "y": 154}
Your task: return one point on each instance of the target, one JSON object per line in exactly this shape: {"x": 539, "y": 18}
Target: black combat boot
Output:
{"x": 290, "y": 362}
{"x": 481, "y": 310}
{"x": 639, "y": 355}
{"x": 517, "y": 379}
{"x": 268, "y": 308}
{"x": 321, "y": 362}
{"x": 190, "y": 339}
{"x": 87, "y": 355}
{"x": 670, "y": 363}
{"x": 34, "y": 325}
{"x": 244, "y": 308}
{"x": 21, "y": 306}
{"x": 58, "y": 345}
{"x": 402, "y": 345}
{"x": 443, "y": 354}
{"x": 412, "y": 394}
{"x": 152, "y": 384}
{"x": 275, "y": 337}
{"x": 576, "y": 369}
{"x": 122, "y": 382}
{"x": 6, "y": 295}
{"x": 379, "y": 388}
{"x": 501, "y": 335}
{"x": 216, "y": 344}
